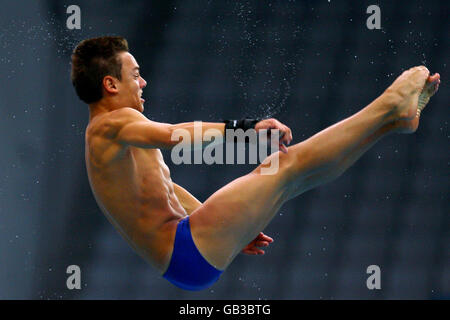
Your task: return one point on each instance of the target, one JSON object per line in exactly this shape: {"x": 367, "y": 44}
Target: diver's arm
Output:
{"x": 137, "y": 130}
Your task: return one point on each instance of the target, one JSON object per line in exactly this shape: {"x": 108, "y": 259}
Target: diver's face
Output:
{"x": 132, "y": 83}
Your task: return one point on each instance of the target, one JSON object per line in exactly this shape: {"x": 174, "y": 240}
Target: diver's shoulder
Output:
{"x": 103, "y": 125}
{"x": 109, "y": 124}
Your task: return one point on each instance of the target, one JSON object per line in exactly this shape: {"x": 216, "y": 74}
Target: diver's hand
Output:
{"x": 253, "y": 248}
{"x": 285, "y": 132}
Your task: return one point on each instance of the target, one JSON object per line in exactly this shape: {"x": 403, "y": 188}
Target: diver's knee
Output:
{"x": 278, "y": 163}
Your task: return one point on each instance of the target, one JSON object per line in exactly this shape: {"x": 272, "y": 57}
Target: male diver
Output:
{"x": 191, "y": 243}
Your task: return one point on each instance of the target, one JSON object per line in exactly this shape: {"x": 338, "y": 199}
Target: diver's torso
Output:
{"x": 134, "y": 190}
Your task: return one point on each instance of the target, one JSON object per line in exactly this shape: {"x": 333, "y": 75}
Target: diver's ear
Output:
{"x": 110, "y": 84}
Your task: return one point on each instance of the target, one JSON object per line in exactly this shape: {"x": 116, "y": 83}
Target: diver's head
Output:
{"x": 104, "y": 70}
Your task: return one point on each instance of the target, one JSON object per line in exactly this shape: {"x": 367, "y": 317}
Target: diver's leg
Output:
{"x": 235, "y": 214}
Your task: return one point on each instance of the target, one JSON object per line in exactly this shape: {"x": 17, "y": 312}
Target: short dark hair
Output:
{"x": 92, "y": 60}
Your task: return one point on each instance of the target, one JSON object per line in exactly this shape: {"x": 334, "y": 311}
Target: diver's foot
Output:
{"x": 430, "y": 88}
{"x": 411, "y": 96}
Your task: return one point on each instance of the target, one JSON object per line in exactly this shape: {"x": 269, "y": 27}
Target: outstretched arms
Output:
{"x": 133, "y": 128}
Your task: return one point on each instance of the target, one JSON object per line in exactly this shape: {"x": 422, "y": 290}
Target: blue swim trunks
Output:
{"x": 188, "y": 269}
